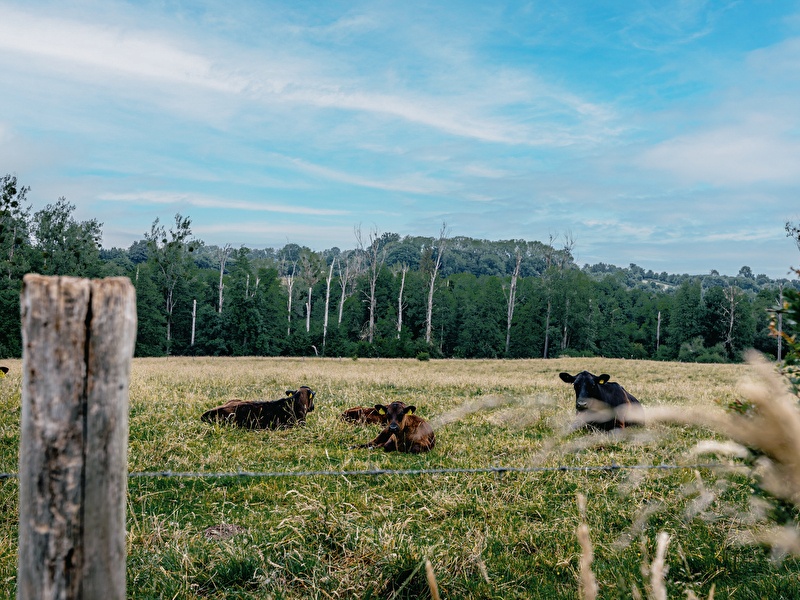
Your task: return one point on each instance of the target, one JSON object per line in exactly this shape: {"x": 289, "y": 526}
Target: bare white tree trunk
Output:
{"x": 290, "y": 287}
{"x": 170, "y": 308}
{"x": 432, "y": 283}
{"x": 327, "y": 304}
{"x": 347, "y": 274}
{"x": 658, "y": 332}
{"x": 512, "y": 297}
{"x": 780, "y": 324}
{"x": 375, "y": 258}
{"x": 731, "y": 296}
{"x": 308, "y": 311}
{"x": 400, "y": 304}
{"x": 555, "y": 265}
{"x": 222, "y": 254}
{"x": 194, "y": 319}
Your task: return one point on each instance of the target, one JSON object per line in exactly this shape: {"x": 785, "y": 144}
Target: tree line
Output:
{"x": 388, "y": 296}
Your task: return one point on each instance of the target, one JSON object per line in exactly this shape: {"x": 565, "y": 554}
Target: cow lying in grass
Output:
{"x": 365, "y": 414}
{"x": 602, "y": 404}
{"x": 404, "y": 432}
{"x": 265, "y": 414}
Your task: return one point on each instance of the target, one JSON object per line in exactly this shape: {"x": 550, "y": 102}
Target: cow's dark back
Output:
{"x": 266, "y": 414}
{"x": 364, "y": 414}
{"x": 603, "y": 404}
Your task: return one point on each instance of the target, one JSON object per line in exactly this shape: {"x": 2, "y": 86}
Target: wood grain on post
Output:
{"x": 78, "y": 339}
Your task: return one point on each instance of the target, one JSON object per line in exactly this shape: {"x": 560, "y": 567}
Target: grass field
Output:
{"x": 486, "y": 535}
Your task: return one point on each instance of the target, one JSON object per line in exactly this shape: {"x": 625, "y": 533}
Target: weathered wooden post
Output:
{"x": 78, "y": 339}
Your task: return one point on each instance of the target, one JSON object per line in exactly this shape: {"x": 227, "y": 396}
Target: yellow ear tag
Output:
{"x": 410, "y": 412}
{"x": 381, "y": 411}
{"x": 2, "y": 374}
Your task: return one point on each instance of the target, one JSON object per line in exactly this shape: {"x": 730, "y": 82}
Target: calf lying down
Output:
{"x": 404, "y": 432}
{"x": 603, "y": 404}
{"x": 265, "y": 414}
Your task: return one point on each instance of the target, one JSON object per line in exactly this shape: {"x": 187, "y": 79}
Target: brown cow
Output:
{"x": 405, "y": 432}
{"x": 266, "y": 414}
{"x": 365, "y": 414}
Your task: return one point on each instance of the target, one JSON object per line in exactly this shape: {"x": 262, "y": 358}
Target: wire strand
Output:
{"x": 168, "y": 474}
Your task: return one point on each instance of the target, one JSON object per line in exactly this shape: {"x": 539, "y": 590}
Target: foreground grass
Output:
{"x": 486, "y": 535}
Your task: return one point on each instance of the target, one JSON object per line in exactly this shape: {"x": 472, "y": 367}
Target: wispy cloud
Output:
{"x": 415, "y": 184}
{"x": 141, "y": 54}
{"x": 188, "y": 199}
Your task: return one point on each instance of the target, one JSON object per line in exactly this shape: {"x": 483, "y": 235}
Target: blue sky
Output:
{"x": 661, "y": 133}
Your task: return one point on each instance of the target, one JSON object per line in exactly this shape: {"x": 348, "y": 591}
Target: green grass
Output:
{"x": 486, "y": 535}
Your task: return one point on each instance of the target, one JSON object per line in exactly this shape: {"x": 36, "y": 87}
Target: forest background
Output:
{"x": 389, "y": 296}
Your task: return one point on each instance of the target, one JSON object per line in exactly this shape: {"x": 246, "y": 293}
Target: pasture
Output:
{"x": 486, "y": 535}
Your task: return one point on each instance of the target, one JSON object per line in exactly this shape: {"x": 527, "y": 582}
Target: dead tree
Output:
{"x": 222, "y": 254}
{"x": 400, "y": 304}
{"x": 512, "y": 296}
{"x": 347, "y": 275}
{"x": 376, "y": 255}
{"x": 289, "y": 281}
{"x": 434, "y": 263}
{"x": 555, "y": 263}
{"x": 328, "y": 280}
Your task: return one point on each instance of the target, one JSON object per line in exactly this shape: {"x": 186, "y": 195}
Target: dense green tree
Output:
{"x": 64, "y": 246}
{"x": 14, "y": 261}
{"x": 14, "y": 228}
{"x": 169, "y": 253}
{"x": 482, "y": 312}
{"x": 686, "y": 320}
{"x": 150, "y": 314}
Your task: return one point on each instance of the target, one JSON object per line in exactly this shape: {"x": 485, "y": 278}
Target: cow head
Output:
{"x": 304, "y": 396}
{"x": 395, "y": 413}
{"x": 586, "y": 387}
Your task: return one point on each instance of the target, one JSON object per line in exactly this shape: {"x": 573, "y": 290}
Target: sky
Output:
{"x": 661, "y": 133}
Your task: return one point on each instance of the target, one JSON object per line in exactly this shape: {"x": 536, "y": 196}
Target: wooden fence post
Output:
{"x": 78, "y": 339}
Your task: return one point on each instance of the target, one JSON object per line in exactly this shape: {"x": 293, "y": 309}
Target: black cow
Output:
{"x": 266, "y": 414}
{"x": 601, "y": 404}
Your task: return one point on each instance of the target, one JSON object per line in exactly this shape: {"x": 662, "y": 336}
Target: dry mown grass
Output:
{"x": 474, "y": 535}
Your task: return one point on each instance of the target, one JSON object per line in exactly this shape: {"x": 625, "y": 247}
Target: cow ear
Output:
{"x": 603, "y": 378}
{"x": 410, "y": 409}
{"x": 566, "y": 377}
{"x": 381, "y": 409}
{"x": 290, "y": 392}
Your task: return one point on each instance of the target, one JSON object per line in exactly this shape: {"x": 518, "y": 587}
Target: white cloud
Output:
{"x": 728, "y": 156}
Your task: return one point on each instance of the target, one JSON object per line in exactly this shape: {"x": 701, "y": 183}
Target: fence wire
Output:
{"x": 167, "y": 474}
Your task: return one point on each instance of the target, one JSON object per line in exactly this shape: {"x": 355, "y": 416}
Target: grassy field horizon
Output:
{"x": 486, "y": 535}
